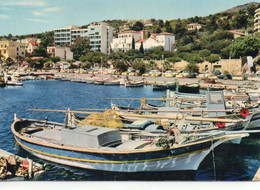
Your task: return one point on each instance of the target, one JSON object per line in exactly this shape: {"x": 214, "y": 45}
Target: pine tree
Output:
{"x": 141, "y": 48}
{"x": 133, "y": 43}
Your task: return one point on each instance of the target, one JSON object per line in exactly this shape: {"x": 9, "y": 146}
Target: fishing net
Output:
{"x": 108, "y": 119}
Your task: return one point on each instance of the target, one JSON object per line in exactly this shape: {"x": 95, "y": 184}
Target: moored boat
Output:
{"x": 189, "y": 88}
{"x": 134, "y": 83}
{"x": 164, "y": 86}
{"x": 99, "y": 148}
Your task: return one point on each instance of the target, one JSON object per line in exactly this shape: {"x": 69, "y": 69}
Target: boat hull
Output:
{"x": 179, "y": 162}
{"x": 182, "y": 157}
{"x": 189, "y": 89}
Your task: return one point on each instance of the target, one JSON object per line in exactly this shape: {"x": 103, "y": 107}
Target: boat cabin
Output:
{"x": 89, "y": 136}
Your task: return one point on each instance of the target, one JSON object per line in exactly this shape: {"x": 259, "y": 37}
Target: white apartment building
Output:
{"x": 164, "y": 39}
{"x": 99, "y": 34}
{"x": 257, "y": 20}
{"x": 125, "y": 40}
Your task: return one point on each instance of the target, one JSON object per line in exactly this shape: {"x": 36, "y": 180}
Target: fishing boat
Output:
{"x": 99, "y": 148}
{"x": 13, "y": 167}
{"x": 164, "y": 86}
{"x": 99, "y": 82}
{"x": 12, "y": 80}
{"x": 134, "y": 83}
{"x": 189, "y": 88}
{"x": 215, "y": 88}
{"x": 112, "y": 82}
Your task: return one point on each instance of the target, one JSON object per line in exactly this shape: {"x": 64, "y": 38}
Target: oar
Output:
{"x": 142, "y": 110}
{"x": 172, "y": 116}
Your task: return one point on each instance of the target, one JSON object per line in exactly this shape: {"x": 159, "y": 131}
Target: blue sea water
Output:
{"x": 232, "y": 162}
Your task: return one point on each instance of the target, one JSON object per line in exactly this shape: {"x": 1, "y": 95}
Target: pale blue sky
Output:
{"x": 33, "y": 16}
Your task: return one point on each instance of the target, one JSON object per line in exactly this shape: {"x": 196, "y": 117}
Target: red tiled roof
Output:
{"x": 166, "y": 33}
{"x": 194, "y": 24}
{"x": 237, "y": 32}
{"x": 34, "y": 43}
{"x": 142, "y": 40}
{"x": 154, "y": 34}
{"x": 154, "y": 38}
{"x": 129, "y": 31}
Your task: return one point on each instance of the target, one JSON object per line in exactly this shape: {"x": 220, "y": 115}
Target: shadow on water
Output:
{"x": 233, "y": 162}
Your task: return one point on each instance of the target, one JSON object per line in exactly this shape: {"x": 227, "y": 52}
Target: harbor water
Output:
{"x": 228, "y": 162}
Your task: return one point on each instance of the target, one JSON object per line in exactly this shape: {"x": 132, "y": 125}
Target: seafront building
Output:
{"x": 12, "y": 49}
{"x": 100, "y": 36}
{"x": 257, "y": 20}
{"x": 63, "y": 52}
{"x": 164, "y": 39}
{"x": 125, "y": 40}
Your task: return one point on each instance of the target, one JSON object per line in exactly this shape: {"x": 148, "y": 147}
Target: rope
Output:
{"x": 213, "y": 160}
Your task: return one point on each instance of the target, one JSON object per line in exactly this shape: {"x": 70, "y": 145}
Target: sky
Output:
{"x": 18, "y": 17}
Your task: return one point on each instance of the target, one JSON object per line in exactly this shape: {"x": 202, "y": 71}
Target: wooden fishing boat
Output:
{"x": 134, "y": 83}
{"x": 99, "y": 82}
{"x": 164, "y": 86}
{"x": 189, "y": 88}
{"x": 13, "y": 167}
{"x": 214, "y": 88}
{"x": 100, "y": 148}
{"x": 112, "y": 82}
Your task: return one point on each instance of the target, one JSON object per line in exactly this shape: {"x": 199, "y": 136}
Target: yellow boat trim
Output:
{"x": 103, "y": 161}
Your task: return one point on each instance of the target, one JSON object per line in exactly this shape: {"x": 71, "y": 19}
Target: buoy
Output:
{"x": 25, "y": 164}
{"x": 244, "y": 112}
{"x": 220, "y": 124}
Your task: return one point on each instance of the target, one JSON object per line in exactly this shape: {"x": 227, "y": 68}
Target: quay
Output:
{"x": 227, "y": 84}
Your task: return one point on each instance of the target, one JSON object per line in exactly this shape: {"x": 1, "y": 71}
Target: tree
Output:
{"x": 192, "y": 68}
{"x": 141, "y": 49}
{"x": 9, "y": 60}
{"x": 193, "y": 58}
{"x": 161, "y": 24}
{"x": 204, "y": 53}
{"x": 245, "y": 46}
{"x": 221, "y": 35}
{"x": 174, "y": 59}
{"x": 47, "y": 39}
{"x": 139, "y": 65}
{"x": 168, "y": 27}
{"x": 133, "y": 43}
{"x": 55, "y": 59}
{"x": 80, "y": 47}
{"x": 40, "y": 51}
{"x": 158, "y": 30}
{"x": 166, "y": 65}
{"x": 213, "y": 58}
{"x": 138, "y": 26}
{"x": 240, "y": 20}
{"x": 121, "y": 65}
{"x": 152, "y": 65}
{"x": 216, "y": 46}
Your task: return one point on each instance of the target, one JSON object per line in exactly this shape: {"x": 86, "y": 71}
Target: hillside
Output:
{"x": 241, "y": 7}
